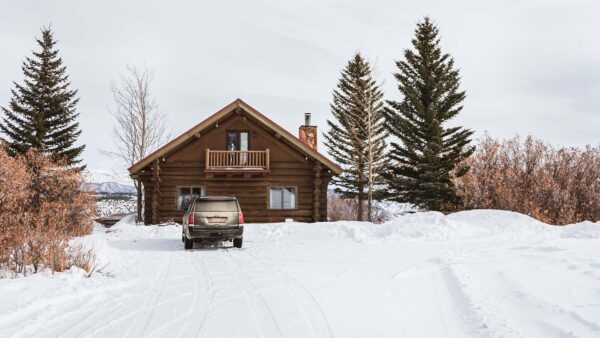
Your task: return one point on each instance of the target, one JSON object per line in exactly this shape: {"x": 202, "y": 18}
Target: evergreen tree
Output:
{"x": 356, "y": 139}
{"x": 429, "y": 154}
{"x": 41, "y": 114}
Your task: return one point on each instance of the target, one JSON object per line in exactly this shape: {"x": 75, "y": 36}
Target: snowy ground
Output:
{"x": 471, "y": 274}
{"x": 108, "y": 206}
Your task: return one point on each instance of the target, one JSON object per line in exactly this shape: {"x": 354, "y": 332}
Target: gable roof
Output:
{"x": 216, "y": 117}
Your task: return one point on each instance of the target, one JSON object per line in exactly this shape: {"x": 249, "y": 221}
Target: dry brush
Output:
{"x": 42, "y": 207}
{"x": 553, "y": 185}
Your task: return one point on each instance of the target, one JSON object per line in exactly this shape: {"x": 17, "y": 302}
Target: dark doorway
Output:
{"x": 238, "y": 140}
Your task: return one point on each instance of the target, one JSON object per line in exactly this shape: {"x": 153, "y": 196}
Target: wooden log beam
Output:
{"x": 155, "y": 191}
{"x": 317, "y": 192}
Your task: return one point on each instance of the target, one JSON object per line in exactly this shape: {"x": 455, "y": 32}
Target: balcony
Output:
{"x": 237, "y": 161}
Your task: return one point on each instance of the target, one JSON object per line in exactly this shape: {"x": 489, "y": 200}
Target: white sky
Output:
{"x": 529, "y": 67}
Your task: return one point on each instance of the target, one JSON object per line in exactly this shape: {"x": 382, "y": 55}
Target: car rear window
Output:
{"x": 213, "y": 206}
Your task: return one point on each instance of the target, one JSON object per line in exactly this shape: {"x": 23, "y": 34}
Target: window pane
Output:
{"x": 186, "y": 201}
{"x": 244, "y": 140}
{"x": 185, "y": 196}
{"x": 231, "y": 140}
{"x": 183, "y": 202}
{"x": 289, "y": 198}
{"x": 275, "y": 198}
{"x": 216, "y": 206}
{"x": 244, "y": 147}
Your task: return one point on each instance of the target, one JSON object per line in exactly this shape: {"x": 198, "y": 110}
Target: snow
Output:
{"x": 480, "y": 273}
{"x": 106, "y": 206}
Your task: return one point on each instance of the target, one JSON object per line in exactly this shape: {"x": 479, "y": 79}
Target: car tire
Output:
{"x": 188, "y": 243}
{"x": 237, "y": 242}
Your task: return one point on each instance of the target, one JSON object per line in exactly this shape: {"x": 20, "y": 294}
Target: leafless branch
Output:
{"x": 139, "y": 127}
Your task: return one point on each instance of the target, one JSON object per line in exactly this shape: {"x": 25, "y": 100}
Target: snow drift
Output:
{"x": 464, "y": 225}
{"x": 480, "y": 273}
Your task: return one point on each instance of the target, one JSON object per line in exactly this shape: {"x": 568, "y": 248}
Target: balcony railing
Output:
{"x": 232, "y": 160}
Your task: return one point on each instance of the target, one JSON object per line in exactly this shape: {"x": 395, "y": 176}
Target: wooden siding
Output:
{"x": 185, "y": 166}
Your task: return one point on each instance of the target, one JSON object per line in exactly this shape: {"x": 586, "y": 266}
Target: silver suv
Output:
{"x": 213, "y": 219}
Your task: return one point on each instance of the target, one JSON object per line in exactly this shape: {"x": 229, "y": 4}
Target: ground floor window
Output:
{"x": 282, "y": 198}
{"x": 185, "y": 194}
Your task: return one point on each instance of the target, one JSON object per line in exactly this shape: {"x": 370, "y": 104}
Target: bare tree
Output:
{"x": 374, "y": 143}
{"x": 371, "y": 134}
{"x": 139, "y": 125}
{"x": 356, "y": 138}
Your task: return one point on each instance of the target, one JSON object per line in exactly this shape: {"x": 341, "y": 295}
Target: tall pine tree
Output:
{"x": 356, "y": 139}
{"x": 429, "y": 154}
{"x": 41, "y": 114}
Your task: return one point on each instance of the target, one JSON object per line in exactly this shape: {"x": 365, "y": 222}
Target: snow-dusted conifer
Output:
{"x": 356, "y": 138}
{"x": 41, "y": 114}
{"x": 429, "y": 153}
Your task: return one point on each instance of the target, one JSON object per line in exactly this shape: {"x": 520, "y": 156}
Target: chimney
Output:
{"x": 308, "y": 133}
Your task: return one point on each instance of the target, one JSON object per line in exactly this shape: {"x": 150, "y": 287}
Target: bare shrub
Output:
{"x": 14, "y": 194}
{"x": 557, "y": 186}
{"x": 83, "y": 258}
{"x": 42, "y": 207}
{"x": 345, "y": 209}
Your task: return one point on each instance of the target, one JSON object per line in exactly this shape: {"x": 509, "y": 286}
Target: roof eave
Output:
{"x": 334, "y": 167}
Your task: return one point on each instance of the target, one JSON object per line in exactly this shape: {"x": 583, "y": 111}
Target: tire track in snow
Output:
{"x": 263, "y": 316}
{"x": 307, "y": 302}
{"x": 205, "y": 304}
{"x": 194, "y": 302}
{"x": 152, "y": 308}
{"x": 118, "y": 317}
{"x": 160, "y": 278}
{"x": 66, "y": 306}
{"x": 92, "y": 312}
{"x": 475, "y": 315}
{"x": 553, "y": 309}
{"x": 209, "y": 300}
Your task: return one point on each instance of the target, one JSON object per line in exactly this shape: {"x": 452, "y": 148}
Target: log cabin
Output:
{"x": 239, "y": 152}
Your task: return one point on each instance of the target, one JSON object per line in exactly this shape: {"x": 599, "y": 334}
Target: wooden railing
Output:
{"x": 237, "y": 159}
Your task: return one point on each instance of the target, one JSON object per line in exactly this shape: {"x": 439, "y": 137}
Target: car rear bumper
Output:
{"x": 214, "y": 234}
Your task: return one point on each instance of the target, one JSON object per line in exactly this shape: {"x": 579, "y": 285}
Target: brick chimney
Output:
{"x": 308, "y": 133}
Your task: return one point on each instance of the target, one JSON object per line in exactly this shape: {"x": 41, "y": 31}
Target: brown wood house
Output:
{"x": 239, "y": 152}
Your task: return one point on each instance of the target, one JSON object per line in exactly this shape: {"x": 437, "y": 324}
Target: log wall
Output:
{"x": 185, "y": 167}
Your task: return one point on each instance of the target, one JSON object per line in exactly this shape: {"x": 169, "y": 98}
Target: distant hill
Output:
{"x": 111, "y": 188}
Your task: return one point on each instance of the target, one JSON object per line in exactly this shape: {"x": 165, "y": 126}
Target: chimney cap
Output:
{"x": 307, "y": 119}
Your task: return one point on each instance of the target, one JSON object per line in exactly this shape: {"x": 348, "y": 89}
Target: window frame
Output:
{"x": 192, "y": 186}
{"x": 296, "y": 201}
{"x": 239, "y": 138}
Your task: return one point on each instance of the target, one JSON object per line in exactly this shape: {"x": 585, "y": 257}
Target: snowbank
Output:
{"x": 582, "y": 230}
{"x": 465, "y": 225}
{"x": 480, "y": 273}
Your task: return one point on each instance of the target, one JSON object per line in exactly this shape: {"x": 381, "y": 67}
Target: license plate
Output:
{"x": 217, "y": 219}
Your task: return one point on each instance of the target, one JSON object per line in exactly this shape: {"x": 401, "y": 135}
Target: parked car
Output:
{"x": 213, "y": 219}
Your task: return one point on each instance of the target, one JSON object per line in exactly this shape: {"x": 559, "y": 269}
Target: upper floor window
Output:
{"x": 237, "y": 140}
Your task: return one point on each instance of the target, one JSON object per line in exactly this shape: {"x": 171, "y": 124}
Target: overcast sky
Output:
{"x": 529, "y": 67}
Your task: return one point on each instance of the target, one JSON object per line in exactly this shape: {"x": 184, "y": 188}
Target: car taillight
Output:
{"x": 191, "y": 218}
{"x": 241, "y": 218}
